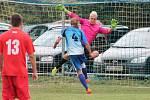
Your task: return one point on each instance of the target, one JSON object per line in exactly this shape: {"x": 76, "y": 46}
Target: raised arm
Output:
{"x": 69, "y": 13}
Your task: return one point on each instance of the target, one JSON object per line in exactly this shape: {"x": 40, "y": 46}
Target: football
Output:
{"x": 94, "y": 54}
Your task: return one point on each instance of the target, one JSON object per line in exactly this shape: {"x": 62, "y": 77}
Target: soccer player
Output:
{"x": 90, "y": 28}
{"x": 14, "y": 44}
{"x": 75, "y": 39}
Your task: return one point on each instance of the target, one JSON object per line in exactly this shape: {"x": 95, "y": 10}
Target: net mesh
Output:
{"x": 40, "y": 15}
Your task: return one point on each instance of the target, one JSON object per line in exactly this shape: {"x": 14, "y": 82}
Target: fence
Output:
{"x": 128, "y": 59}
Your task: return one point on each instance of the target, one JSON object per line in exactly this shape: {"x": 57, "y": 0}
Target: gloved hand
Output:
{"x": 114, "y": 23}
{"x": 61, "y": 7}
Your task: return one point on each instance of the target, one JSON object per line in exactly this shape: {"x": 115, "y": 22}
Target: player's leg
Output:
{"x": 22, "y": 86}
{"x": 8, "y": 90}
{"x": 84, "y": 68}
{"x": 57, "y": 67}
{"x": 82, "y": 78}
{"x": 84, "y": 71}
{"x": 88, "y": 63}
{"x": 76, "y": 61}
{"x": 64, "y": 59}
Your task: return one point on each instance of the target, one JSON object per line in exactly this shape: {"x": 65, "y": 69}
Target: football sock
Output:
{"x": 82, "y": 80}
{"x": 84, "y": 70}
{"x": 61, "y": 63}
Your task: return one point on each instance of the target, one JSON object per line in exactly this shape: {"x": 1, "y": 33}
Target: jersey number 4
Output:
{"x": 74, "y": 37}
{"x": 12, "y": 47}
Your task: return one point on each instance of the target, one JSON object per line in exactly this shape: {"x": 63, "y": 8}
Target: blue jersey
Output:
{"x": 75, "y": 39}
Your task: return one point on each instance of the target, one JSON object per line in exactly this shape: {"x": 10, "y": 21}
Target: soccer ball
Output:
{"x": 95, "y": 54}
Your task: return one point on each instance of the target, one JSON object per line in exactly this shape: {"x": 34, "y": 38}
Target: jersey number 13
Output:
{"x": 12, "y": 47}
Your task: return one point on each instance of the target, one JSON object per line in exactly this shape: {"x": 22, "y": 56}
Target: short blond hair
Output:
{"x": 74, "y": 22}
{"x": 94, "y": 13}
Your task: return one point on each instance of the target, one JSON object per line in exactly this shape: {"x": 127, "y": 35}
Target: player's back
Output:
{"x": 14, "y": 47}
{"x": 74, "y": 41}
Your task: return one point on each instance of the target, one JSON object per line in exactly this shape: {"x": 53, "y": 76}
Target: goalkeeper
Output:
{"x": 90, "y": 27}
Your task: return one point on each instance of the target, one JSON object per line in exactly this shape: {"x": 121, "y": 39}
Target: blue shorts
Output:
{"x": 77, "y": 60}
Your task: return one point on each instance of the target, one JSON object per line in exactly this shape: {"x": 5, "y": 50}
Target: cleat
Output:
{"x": 87, "y": 81}
{"x": 54, "y": 71}
{"x": 88, "y": 91}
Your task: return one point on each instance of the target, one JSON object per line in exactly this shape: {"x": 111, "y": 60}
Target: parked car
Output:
{"x": 4, "y": 27}
{"x": 46, "y": 56}
{"x": 103, "y": 42}
{"x": 129, "y": 55}
{"x": 36, "y": 30}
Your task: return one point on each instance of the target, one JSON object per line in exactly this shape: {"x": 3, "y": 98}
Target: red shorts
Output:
{"x": 15, "y": 87}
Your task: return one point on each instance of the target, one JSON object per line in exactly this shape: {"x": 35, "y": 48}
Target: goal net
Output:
{"x": 124, "y": 54}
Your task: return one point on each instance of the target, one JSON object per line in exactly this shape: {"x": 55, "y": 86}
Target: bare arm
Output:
{"x": 34, "y": 69}
{"x": 57, "y": 42}
{"x": 87, "y": 46}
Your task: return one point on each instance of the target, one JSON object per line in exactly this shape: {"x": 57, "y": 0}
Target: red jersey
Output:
{"x": 14, "y": 44}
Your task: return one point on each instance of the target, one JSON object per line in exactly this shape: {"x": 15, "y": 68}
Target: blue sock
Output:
{"x": 82, "y": 80}
{"x": 84, "y": 70}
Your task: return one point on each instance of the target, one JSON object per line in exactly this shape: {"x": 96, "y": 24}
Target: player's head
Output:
{"x": 93, "y": 17}
{"x": 16, "y": 20}
{"x": 74, "y": 22}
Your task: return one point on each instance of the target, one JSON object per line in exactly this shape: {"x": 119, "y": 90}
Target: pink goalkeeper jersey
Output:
{"x": 90, "y": 30}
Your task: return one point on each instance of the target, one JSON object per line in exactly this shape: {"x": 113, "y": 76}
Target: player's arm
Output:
{"x": 87, "y": 46}
{"x": 113, "y": 25}
{"x": 34, "y": 68}
{"x": 85, "y": 43}
{"x": 30, "y": 51}
{"x": 61, "y": 7}
{"x": 57, "y": 42}
{"x": 104, "y": 30}
{"x": 59, "y": 38}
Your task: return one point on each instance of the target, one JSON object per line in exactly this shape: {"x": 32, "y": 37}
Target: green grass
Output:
{"x": 60, "y": 88}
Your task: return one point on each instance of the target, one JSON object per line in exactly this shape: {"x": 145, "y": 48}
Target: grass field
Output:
{"x": 60, "y": 88}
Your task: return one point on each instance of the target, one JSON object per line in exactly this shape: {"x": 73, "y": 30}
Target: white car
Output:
{"x": 4, "y": 27}
{"x": 129, "y": 55}
{"x": 36, "y": 30}
{"x": 46, "y": 56}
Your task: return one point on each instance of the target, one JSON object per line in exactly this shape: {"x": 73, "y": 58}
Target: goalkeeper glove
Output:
{"x": 62, "y": 8}
{"x": 114, "y": 23}
{"x": 54, "y": 71}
